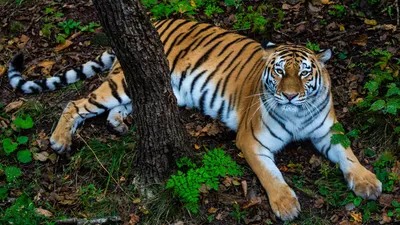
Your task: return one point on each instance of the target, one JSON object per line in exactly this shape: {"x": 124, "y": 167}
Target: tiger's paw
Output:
{"x": 364, "y": 183}
{"x": 121, "y": 128}
{"x": 61, "y": 142}
{"x": 284, "y": 203}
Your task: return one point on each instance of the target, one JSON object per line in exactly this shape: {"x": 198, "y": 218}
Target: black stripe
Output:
{"x": 195, "y": 80}
{"x": 20, "y": 84}
{"x": 231, "y": 43}
{"x": 322, "y": 123}
{"x": 264, "y": 155}
{"x": 14, "y": 76}
{"x": 247, "y": 61}
{"x": 160, "y": 24}
{"x": 202, "y": 101}
{"x": 215, "y": 38}
{"x": 227, "y": 79}
{"x": 215, "y": 71}
{"x": 189, "y": 32}
{"x": 205, "y": 56}
{"x": 173, "y": 31}
{"x": 113, "y": 86}
{"x": 92, "y": 100}
{"x": 86, "y": 108}
{"x": 280, "y": 123}
{"x": 326, "y": 150}
{"x": 239, "y": 54}
{"x": 172, "y": 45}
{"x": 254, "y": 136}
{"x": 201, "y": 31}
{"x": 221, "y": 109}
{"x": 34, "y": 90}
{"x": 177, "y": 57}
{"x": 63, "y": 79}
{"x": 202, "y": 39}
{"x": 270, "y": 131}
{"x": 77, "y": 110}
{"x": 215, "y": 94}
{"x": 167, "y": 27}
{"x": 183, "y": 76}
{"x": 41, "y": 83}
{"x": 79, "y": 72}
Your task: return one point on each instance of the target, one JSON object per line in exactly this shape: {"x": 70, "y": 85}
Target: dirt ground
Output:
{"x": 58, "y": 183}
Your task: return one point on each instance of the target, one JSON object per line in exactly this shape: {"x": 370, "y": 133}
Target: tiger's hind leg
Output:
{"x": 108, "y": 96}
{"x": 116, "y": 117}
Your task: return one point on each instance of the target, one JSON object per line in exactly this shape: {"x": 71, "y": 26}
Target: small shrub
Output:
{"x": 185, "y": 185}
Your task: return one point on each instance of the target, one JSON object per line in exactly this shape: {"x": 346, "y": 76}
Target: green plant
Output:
{"x": 16, "y": 27}
{"x": 89, "y": 194}
{"x": 396, "y": 211}
{"x": 383, "y": 91}
{"x": 313, "y": 46}
{"x": 338, "y": 11}
{"x": 382, "y": 169}
{"x": 238, "y": 214}
{"x": 89, "y": 28}
{"x": 47, "y": 29}
{"x": 185, "y": 185}
{"x": 212, "y": 9}
{"x": 251, "y": 19}
{"x": 341, "y": 138}
{"x": 69, "y": 26}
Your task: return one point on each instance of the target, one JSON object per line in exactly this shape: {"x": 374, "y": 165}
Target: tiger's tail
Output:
{"x": 16, "y": 66}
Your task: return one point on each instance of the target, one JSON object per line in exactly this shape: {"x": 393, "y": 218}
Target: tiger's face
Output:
{"x": 294, "y": 75}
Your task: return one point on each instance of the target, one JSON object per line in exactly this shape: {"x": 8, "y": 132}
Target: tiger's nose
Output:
{"x": 289, "y": 96}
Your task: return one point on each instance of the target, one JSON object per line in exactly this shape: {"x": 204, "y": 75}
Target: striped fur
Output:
{"x": 269, "y": 96}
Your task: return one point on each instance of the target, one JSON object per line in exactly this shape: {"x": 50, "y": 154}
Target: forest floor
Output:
{"x": 95, "y": 181}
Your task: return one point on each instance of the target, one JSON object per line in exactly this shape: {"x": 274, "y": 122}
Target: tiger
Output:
{"x": 270, "y": 96}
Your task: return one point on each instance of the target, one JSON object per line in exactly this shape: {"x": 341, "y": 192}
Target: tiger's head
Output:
{"x": 294, "y": 75}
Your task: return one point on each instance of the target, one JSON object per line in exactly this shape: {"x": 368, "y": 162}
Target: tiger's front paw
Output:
{"x": 61, "y": 141}
{"x": 284, "y": 203}
{"x": 364, "y": 183}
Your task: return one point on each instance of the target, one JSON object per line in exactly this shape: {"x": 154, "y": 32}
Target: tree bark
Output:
{"x": 161, "y": 138}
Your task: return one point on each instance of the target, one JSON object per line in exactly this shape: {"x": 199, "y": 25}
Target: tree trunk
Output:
{"x": 161, "y": 138}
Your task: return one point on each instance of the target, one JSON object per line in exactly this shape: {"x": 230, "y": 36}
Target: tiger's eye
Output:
{"x": 304, "y": 73}
{"x": 279, "y": 71}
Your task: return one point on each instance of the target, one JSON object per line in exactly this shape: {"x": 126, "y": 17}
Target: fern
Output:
{"x": 215, "y": 164}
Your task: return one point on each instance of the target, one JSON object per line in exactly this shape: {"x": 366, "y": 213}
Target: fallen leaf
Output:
{"x": 2, "y": 70}
{"x": 235, "y": 182}
{"x": 122, "y": 179}
{"x": 244, "y": 187}
{"x": 14, "y": 106}
{"x": 283, "y": 168}
{"x": 22, "y": 41}
{"x": 136, "y": 201}
{"x": 325, "y": 2}
{"x": 319, "y": 203}
{"x": 370, "y": 22}
{"x": 361, "y": 40}
{"x": 196, "y": 146}
{"x": 46, "y": 66}
{"x": 253, "y": 201}
{"x": 53, "y": 157}
{"x": 385, "y": 219}
{"x": 387, "y": 199}
{"x": 134, "y": 219}
{"x": 43, "y": 212}
{"x": 41, "y": 156}
{"x": 212, "y": 210}
{"x": 241, "y": 155}
{"x": 63, "y": 46}
{"x": 341, "y": 27}
{"x": 315, "y": 161}
{"x": 356, "y": 216}
{"x": 227, "y": 182}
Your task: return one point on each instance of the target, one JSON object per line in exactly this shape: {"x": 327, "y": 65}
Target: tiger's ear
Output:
{"x": 268, "y": 49}
{"x": 324, "y": 55}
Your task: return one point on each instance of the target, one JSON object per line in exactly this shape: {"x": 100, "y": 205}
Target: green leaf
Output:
{"x": 393, "y": 104}
{"x": 393, "y": 91}
{"x": 357, "y": 201}
{"x": 338, "y": 127}
{"x": 378, "y": 105}
{"x": 395, "y": 204}
{"x": 340, "y": 139}
{"x": 24, "y": 156}
{"x": 22, "y": 139}
{"x": 372, "y": 86}
{"x": 26, "y": 123}
{"x": 369, "y": 152}
{"x": 12, "y": 173}
{"x": 353, "y": 134}
{"x": 9, "y": 146}
{"x": 3, "y": 193}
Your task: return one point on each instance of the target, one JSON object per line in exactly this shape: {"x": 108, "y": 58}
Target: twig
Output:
{"x": 104, "y": 168}
{"x": 77, "y": 221}
{"x": 398, "y": 13}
